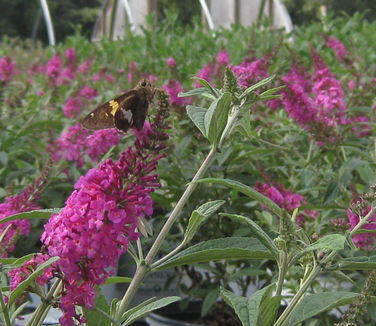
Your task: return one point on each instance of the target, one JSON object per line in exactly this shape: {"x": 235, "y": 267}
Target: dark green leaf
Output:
{"x": 145, "y": 309}
{"x": 248, "y": 309}
{"x": 315, "y": 304}
{"x": 217, "y": 249}
{"x": 100, "y": 315}
{"x": 200, "y": 215}
{"x": 197, "y": 115}
{"x": 216, "y": 117}
{"x": 38, "y": 213}
{"x": 248, "y": 191}
{"x": 358, "y": 263}
{"x": 328, "y": 242}
{"x": 257, "y": 231}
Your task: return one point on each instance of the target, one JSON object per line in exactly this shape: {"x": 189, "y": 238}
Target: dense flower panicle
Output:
{"x": 88, "y": 92}
{"x": 100, "y": 142}
{"x": 17, "y": 275}
{"x": 223, "y": 57}
{"x": 337, "y": 46}
{"x": 23, "y": 202}
{"x": 85, "y": 67}
{"x": 72, "y": 107}
{"x": 54, "y": 67}
{"x": 361, "y": 126}
{"x": 76, "y": 142}
{"x": 70, "y": 145}
{"x": 318, "y": 103}
{"x": 66, "y": 75}
{"x": 286, "y": 199}
{"x": 7, "y": 69}
{"x": 101, "y": 216}
{"x": 366, "y": 241}
{"x": 250, "y": 71}
{"x": 71, "y": 56}
{"x": 173, "y": 88}
{"x": 206, "y": 73}
{"x": 171, "y": 62}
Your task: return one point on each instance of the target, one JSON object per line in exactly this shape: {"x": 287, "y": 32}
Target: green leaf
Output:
{"x": 257, "y": 231}
{"x": 315, "y": 304}
{"x": 216, "y": 117}
{"x": 142, "y": 310}
{"x": 246, "y": 190}
{"x": 38, "y": 213}
{"x": 100, "y": 315}
{"x": 209, "y": 301}
{"x": 197, "y": 115}
{"x": 200, "y": 215}
{"x": 328, "y": 242}
{"x": 244, "y": 125}
{"x": 255, "y": 86}
{"x": 118, "y": 279}
{"x": 248, "y": 309}
{"x": 31, "y": 278}
{"x": 270, "y": 92}
{"x": 224, "y": 248}
{"x": 204, "y": 83}
{"x": 203, "y": 91}
{"x": 358, "y": 263}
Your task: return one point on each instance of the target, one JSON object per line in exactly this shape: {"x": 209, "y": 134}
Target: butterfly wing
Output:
{"x": 131, "y": 112}
{"x": 102, "y": 117}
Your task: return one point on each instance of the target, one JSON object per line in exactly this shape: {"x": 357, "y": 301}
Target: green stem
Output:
{"x": 173, "y": 252}
{"x": 303, "y": 288}
{"x": 42, "y": 310}
{"x": 142, "y": 268}
{"x": 4, "y": 309}
{"x": 282, "y": 272}
{"x": 362, "y": 221}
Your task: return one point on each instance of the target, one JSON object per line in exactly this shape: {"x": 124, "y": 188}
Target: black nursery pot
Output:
{"x": 172, "y": 315}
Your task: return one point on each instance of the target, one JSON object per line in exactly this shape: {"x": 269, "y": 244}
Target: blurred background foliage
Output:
{"x": 24, "y": 19}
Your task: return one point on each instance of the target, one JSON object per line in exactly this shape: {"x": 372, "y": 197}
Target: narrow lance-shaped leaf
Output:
{"x": 203, "y": 91}
{"x": 197, "y": 115}
{"x": 38, "y": 213}
{"x": 248, "y": 309}
{"x": 315, "y": 304}
{"x": 257, "y": 85}
{"x": 206, "y": 84}
{"x": 216, "y": 117}
{"x": 217, "y": 249}
{"x": 31, "y": 278}
{"x": 246, "y": 190}
{"x": 328, "y": 242}
{"x": 257, "y": 231}
{"x": 200, "y": 215}
{"x": 145, "y": 309}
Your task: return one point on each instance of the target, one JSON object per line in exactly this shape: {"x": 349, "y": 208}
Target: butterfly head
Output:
{"x": 149, "y": 91}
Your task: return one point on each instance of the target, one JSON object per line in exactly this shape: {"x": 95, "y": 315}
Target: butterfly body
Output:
{"x": 126, "y": 111}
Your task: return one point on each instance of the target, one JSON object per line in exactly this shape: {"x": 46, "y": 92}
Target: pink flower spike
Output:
{"x": 171, "y": 62}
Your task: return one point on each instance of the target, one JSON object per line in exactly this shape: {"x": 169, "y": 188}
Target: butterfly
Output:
{"x": 126, "y": 111}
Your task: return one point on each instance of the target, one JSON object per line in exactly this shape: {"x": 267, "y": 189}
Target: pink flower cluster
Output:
{"x": 17, "y": 275}
{"x": 76, "y": 142}
{"x": 213, "y": 70}
{"x": 286, "y": 199}
{"x": 337, "y": 47}
{"x": 251, "y": 71}
{"x": 7, "y": 69}
{"x": 365, "y": 241}
{"x": 100, "y": 218}
{"x": 317, "y": 103}
{"x": 23, "y": 202}
{"x": 173, "y": 88}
